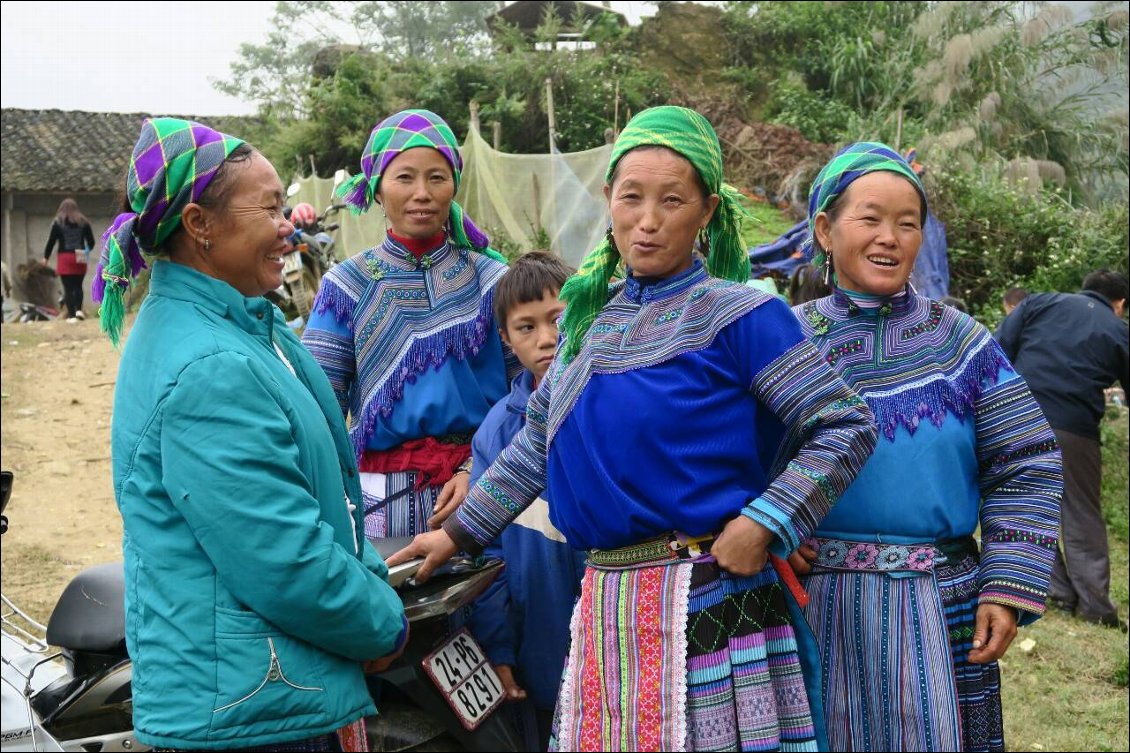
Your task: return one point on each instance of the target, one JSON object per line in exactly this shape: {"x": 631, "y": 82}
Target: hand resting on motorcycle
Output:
{"x": 436, "y": 547}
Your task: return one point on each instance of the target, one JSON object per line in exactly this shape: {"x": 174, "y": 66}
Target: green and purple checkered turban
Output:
{"x": 391, "y": 137}
{"x": 690, "y": 135}
{"x": 848, "y": 165}
{"x": 173, "y": 162}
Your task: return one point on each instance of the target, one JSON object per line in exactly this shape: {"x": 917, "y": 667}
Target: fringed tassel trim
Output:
{"x": 940, "y": 397}
{"x": 461, "y": 341}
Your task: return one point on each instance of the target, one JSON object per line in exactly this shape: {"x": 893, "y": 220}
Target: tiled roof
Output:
{"x": 74, "y": 151}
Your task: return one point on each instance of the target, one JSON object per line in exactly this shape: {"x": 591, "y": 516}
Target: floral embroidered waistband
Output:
{"x": 838, "y": 554}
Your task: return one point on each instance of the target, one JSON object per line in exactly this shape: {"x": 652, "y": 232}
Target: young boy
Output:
{"x": 522, "y": 621}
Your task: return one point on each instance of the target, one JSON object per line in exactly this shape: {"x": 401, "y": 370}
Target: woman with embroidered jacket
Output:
{"x": 656, "y": 432}
{"x": 405, "y": 331}
{"x": 251, "y": 600}
{"x": 910, "y": 617}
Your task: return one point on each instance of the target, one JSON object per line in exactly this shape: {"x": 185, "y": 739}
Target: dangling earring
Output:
{"x": 610, "y": 238}
{"x": 704, "y": 243}
{"x": 828, "y": 268}
{"x": 207, "y": 245}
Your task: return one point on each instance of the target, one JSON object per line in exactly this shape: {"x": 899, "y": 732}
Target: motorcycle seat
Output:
{"x": 91, "y": 614}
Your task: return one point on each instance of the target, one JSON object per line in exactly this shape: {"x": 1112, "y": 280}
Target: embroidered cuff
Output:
{"x": 1027, "y": 601}
{"x": 461, "y": 536}
{"x": 786, "y": 539}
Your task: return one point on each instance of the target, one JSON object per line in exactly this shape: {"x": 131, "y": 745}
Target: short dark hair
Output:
{"x": 954, "y": 303}
{"x": 1013, "y": 296}
{"x": 807, "y": 284}
{"x": 527, "y": 280}
{"x": 1108, "y": 283}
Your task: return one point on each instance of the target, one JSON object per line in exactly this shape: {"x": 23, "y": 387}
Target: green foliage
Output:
{"x": 1116, "y": 478}
{"x": 812, "y": 113}
{"x": 1000, "y": 236}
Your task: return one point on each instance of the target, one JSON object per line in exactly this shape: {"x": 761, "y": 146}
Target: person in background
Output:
{"x": 406, "y": 331}
{"x": 1012, "y": 298}
{"x": 1070, "y": 347}
{"x": 71, "y": 231}
{"x": 252, "y": 603}
{"x": 807, "y": 284}
{"x": 910, "y": 614}
{"x": 522, "y": 621}
{"x": 684, "y": 432}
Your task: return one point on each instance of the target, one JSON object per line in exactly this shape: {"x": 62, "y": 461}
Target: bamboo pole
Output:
{"x": 549, "y": 112}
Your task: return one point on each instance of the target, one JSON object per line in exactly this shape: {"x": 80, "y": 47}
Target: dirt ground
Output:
{"x": 57, "y": 385}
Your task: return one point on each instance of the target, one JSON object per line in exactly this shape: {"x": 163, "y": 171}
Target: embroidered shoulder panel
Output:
{"x": 406, "y": 320}
{"x": 923, "y": 363}
{"x": 626, "y": 336}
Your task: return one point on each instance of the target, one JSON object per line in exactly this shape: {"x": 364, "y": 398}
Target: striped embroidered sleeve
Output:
{"x": 511, "y": 483}
{"x": 328, "y": 338}
{"x": 1021, "y": 481}
{"x": 830, "y": 434}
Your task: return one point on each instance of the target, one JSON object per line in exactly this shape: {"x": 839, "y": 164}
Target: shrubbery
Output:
{"x": 1002, "y": 236}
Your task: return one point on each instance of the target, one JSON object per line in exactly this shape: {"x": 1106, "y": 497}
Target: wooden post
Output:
{"x": 496, "y": 132}
{"x": 474, "y": 107}
{"x": 898, "y": 134}
{"x": 616, "y": 109}
{"x": 549, "y": 112}
{"x": 8, "y": 252}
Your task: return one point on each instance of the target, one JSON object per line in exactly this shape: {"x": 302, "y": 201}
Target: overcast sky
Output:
{"x": 154, "y": 57}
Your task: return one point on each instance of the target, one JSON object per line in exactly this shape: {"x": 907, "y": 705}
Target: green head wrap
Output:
{"x": 690, "y": 135}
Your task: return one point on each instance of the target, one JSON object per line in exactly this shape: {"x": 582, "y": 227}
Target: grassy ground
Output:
{"x": 1069, "y": 692}
{"x": 771, "y": 224}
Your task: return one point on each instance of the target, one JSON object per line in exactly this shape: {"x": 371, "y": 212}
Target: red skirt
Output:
{"x": 66, "y": 265}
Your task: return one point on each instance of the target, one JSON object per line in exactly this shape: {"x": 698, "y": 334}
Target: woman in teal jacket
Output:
{"x": 252, "y": 601}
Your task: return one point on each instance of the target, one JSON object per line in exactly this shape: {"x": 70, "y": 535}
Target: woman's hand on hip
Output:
{"x": 450, "y": 497}
{"x": 743, "y": 547}
{"x": 802, "y": 559}
{"x": 996, "y": 627}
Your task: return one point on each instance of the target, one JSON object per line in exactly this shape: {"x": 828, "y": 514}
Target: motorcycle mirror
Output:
{"x": 339, "y": 177}
{"x": 292, "y": 189}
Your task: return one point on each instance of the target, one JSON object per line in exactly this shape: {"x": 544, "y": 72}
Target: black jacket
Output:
{"x": 69, "y": 237}
{"x": 1069, "y": 348}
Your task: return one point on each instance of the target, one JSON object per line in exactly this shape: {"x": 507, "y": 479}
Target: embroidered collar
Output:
{"x": 394, "y": 256}
{"x": 842, "y": 305}
{"x": 646, "y": 289}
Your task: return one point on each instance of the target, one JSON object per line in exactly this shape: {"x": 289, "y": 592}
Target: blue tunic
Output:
{"x": 693, "y": 400}
{"x": 410, "y": 345}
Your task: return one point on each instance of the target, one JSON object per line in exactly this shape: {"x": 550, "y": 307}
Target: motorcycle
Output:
{"x": 30, "y": 312}
{"x": 440, "y": 694}
{"x": 78, "y": 698}
{"x": 312, "y": 254}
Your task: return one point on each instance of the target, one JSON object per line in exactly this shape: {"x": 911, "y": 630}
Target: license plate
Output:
{"x": 460, "y": 670}
{"x": 292, "y": 262}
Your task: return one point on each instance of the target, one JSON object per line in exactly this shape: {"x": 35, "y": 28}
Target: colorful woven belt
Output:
{"x": 668, "y": 548}
{"x": 838, "y": 554}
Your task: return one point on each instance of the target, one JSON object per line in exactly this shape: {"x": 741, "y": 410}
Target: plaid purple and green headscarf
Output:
{"x": 848, "y": 165}
{"x": 391, "y": 137}
{"x": 173, "y": 162}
